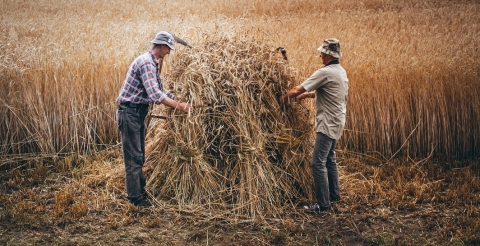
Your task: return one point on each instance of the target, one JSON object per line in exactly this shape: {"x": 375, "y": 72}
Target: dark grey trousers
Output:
{"x": 131, "y": 122}
{"x": 325, "y": 171}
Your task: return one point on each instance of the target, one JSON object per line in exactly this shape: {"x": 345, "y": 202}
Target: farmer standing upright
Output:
{"x": 141, "y": 87}
{"x": 329, "y": 87}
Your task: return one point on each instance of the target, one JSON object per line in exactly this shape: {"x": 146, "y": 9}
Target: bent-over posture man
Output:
{"x": 141, "y": 87}
{"x": 329, "y": 87}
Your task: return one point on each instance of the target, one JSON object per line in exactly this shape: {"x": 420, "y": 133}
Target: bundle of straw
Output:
{"x": 239, "y": 151}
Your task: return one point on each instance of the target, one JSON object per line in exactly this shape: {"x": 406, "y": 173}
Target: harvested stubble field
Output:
{"x": 236, "y": 170}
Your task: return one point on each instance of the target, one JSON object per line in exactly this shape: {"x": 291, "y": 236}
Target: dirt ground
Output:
{"x": 164, "y": 226}
{"x": 158, "y": 226}
{"x": 44, "y": 205}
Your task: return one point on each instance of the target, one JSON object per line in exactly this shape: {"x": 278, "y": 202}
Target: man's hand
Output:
{"x": 182, "y": 106}
{"x": 185, "y": 107}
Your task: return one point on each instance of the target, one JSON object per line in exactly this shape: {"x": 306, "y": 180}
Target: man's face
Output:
{"x": 324, "y": 58}
{"x": 164, "y": 50}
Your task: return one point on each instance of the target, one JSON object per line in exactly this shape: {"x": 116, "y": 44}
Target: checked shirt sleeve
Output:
{"x": 152, "y": 87}
{"x": 169, "y": 94}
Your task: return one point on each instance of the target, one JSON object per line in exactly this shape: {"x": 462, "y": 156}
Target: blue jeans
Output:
{"x": 131, "y": 123}
{"x": 325, "y": 171}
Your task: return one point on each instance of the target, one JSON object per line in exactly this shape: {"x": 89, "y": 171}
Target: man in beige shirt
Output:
{"x": 329, "y": 87}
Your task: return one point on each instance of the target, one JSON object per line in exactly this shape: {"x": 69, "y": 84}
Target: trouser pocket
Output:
{"x": 119, "y": 118}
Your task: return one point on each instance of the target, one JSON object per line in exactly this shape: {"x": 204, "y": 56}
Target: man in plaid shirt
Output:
{"x": 141, "y": 87}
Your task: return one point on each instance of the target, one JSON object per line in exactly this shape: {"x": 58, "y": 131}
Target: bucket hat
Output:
{"x": 331, "y": 46}
{"x": 164, "y": 38}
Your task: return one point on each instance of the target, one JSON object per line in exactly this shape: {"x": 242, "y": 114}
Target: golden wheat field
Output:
{"x": 408, "y": 159}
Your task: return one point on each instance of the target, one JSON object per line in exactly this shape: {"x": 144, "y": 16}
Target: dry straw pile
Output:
{"x": 239, "y": 151}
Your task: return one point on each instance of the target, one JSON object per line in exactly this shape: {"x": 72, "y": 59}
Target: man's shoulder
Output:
{"x": 334, "y": 68}
{"x": 145, "y": 58}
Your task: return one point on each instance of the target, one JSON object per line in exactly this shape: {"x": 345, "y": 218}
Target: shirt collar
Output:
{"x": 153, "y": 57}
{"x": 333, "y": 62}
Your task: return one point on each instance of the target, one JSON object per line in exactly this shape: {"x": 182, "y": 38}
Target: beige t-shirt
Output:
{"x": 331, "y": 94}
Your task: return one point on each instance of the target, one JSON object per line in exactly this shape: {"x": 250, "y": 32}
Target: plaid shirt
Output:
{"x": 142, "y": 84}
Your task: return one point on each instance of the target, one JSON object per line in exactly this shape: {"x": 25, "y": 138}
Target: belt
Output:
{"x": 134, "y": 105}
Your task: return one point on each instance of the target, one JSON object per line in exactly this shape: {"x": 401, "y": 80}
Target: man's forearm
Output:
{"x": 182, "y": 106}
{"x": 292, "y": 93}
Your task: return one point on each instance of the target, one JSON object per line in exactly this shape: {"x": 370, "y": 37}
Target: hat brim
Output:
{"x": 329, "y": 52}
{"x": 172, "y": 47}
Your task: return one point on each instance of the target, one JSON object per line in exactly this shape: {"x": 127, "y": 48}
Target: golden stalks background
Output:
{"x": 414, "y": 84}
{"x": 413, "y": 66}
